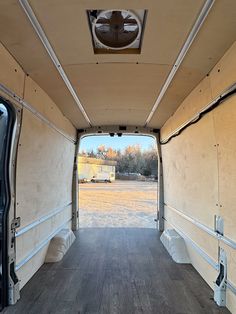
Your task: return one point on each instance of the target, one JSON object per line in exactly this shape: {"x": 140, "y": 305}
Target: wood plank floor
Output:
{"x": 116, "y": 271}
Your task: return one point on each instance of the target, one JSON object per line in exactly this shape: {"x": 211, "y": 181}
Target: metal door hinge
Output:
{"x": 15, "y": 223}
{"x": 14, "y": 286}
{"x": 221, "y": 283}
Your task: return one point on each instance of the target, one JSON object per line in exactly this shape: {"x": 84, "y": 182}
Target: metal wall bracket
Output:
{"x": 160, "y": 197}
{"x": 219, "y": 225}
{"x": 75, "y": 189}
{"x": 15, "y": 223}
{"x": 13, "y": 293}
{"x": 221, "y": 281}
{"x": 14, "y": 286}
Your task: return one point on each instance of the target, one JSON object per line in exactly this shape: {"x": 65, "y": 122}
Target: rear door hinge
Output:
{"x": 221, "y": 281}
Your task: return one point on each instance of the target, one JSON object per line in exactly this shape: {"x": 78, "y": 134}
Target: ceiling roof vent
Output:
{"x": 114, "y": 30}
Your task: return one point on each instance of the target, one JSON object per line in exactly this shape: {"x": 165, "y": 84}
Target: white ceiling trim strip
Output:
{"x": 196, "y": 27}
{"x": 37, "y": 27}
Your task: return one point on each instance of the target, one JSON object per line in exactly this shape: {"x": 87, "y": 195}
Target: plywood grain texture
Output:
{"x": 31, "y": 239}
{"x": 216, "y": 36}
{"x": 222, "y": 76}
{"x": 110, "y": 94}
{"x": 77, "y": 38}
{"x": 205, "y": 270}
{"x": 44, "y": 169}
{"x": 11, "y": 75}
{"x": 225, "y": 128}
{"x": 38, "y": 99}
{"x": 203, "y": 240}
{"x": 26, "y": 272}
{"x": 206, "y": 149}
{"x": 166, "y": 29}
{"x": 44, "y": 164}
{"x": 43, "y": 183}
{"x": 231, "y": 301}
{"x": 29, "y": 269}
{"x": 190, "y": 172}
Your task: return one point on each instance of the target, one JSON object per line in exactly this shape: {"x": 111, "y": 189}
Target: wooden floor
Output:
{"x": 116, "y": 271}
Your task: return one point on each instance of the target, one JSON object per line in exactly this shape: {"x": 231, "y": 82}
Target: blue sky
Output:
{"x": 92, "y": 142}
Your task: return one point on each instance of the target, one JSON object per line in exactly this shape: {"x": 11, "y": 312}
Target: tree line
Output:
{"x": 130, "y": 160}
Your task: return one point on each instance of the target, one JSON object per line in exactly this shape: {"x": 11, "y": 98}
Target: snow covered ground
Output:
{"x": 118, "y": 204}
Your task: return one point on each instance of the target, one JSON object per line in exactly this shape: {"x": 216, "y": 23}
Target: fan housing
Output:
{"x": 115, "y": 30}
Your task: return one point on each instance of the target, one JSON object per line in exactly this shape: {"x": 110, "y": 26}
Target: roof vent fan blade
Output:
{"x": 116, "y": 29}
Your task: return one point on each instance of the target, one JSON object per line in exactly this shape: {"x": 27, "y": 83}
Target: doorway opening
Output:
{"x": 117, "y": 181}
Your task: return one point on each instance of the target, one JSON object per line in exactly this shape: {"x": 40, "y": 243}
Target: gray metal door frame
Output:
{"x": 9, "y": 222}
{"x": 106, "y": 130}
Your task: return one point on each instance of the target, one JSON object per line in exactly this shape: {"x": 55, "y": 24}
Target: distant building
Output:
{"x": 94, "y": 169}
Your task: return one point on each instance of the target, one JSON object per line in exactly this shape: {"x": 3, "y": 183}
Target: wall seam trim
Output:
{"x": 185, "y": 48}
{"x": 210, "y": 231}
{"x": 51, "y": 53}
{"x": 220, "y": 98}
{"x": 193, "y": 220}
{"x": 22, "y": 102}
{"x": 40, "y": 246}
{"x": 204, "y": 255}
{"x": 41, "y": 220}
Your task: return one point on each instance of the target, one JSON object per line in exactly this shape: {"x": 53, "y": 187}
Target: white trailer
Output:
{"x": 96, "y": 169}
{"x": 104, "y": 177}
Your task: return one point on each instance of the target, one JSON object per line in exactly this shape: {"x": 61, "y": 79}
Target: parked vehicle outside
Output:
{"x": 104, "y": 177}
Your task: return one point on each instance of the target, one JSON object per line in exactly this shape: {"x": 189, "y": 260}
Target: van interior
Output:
{"x": 69, "y": 69}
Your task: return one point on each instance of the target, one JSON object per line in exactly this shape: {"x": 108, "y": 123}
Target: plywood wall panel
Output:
{"x": 167, "y": 129}
{"x": 225, "y": 128}
{"x": 223, "y": 75}
{"x": 29, "y": 269}
{"x": 43, "y": 184}
{"x": 190, "y": 172}
{"x": 116, "y": 116}
{"x": 31, "y": 239}
{"x": 11, "y": 75}
{"x": 37, "y": 98}
{"x": 117, "y": 93}
{"x": 185, "y": 80}
{"x": 160, "y": 44}
{"x": 44, "y": 169}
{"x": 231, "y": 301}
{"x": 205, "y": 241}
{"x": 199, "y": 98}
{"x": 199, "y": 167}
{"x": 208, "y": 273}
